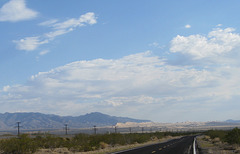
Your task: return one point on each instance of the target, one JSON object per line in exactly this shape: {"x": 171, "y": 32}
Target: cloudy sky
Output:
{"x": 166, "y": 61}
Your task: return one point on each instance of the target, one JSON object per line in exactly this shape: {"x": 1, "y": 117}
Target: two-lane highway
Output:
{"x": 183, "y": 145}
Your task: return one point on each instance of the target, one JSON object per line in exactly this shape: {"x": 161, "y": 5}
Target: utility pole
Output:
{"x": 18, "y": 127}
{"x": 130, "y": 130}
{"x": 66, "y": 129}
{"x": 95, "y": 129}
{"x": 115, "y": 129}
{"x": 142, "y": 129}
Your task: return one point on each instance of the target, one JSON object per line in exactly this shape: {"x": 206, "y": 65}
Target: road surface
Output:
{"x": 183, "y": 145}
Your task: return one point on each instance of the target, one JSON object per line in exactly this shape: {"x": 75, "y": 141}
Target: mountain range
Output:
{"x": 49, "y": 121}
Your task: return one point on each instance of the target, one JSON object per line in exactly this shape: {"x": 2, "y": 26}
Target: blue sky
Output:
{"x": 166, "y": 61}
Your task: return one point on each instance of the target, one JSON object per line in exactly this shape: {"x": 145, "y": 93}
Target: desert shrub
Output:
{"x": 103, "y": 145}
{"x": 139, "y": 138}
{"x": 217, "y": 134}
{"x": 79, "y": 143}
{"x": 49, "y": 141}
{"x": 114, "y": 139}
{"x": 21, "y": 145}
{"x": 206, "y": 138}
{"x": 233, "y": 137}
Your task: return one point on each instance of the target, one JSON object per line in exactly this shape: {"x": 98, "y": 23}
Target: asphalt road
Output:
{"x": 176, "y": 146}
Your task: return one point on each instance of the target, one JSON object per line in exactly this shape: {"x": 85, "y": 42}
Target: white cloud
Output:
{"x": 156, "y": 45}
{"x": 187, "y": 26}
{"x": 53, "y": 34}
{"x": 58, "y": 28}
{"x": 218, "y": 42}
{"x": 29, "y": 43}
{"x": 16, "y": 10}
{"x": 129, "y": 84}
{"x": 44, "y": 52}
{"x": 6, "y": 88}
{"x": 48, "y": 22}
{"x": 88, "y": 18}
{"x": 141, "y": 83}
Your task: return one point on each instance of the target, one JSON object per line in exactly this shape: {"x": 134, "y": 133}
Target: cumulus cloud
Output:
{"x": 218, "y": 42}
{"x": 16, "y": 10}
{"x": 140, "y": 83}
{"x": 129, "y": 84}
{"x": 57, "y": 29}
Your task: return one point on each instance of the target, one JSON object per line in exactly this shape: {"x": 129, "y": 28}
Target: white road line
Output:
{"x": 194, "y": 146}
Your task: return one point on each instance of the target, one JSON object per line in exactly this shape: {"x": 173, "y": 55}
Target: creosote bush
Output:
{"x": 20, "y": 145}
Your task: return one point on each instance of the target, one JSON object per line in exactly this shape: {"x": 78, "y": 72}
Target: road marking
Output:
{"x": 164, "y": 147}
{"x": 194, "y": 146}
{"x": 160, "y": 149}
{"x": 153, "y": 151}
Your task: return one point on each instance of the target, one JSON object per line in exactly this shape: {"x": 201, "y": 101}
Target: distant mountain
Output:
{"x": 233, "y": 121}
{"x": 45, "y": 121}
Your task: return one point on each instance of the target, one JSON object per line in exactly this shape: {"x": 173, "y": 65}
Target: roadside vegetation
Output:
{"x": 229, "y": 136}
{"x": 220, "y": 141}
{"x": 79, "y": 143}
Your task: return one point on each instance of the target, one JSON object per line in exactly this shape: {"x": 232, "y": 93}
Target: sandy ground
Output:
{"x": 215, "y": 146}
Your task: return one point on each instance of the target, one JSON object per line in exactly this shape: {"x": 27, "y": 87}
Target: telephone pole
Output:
{"x": 95, "y": 129}
{"x": 18, "y": 127}
{"x": 66, "y": 129}
{"x": 115, "y": 129}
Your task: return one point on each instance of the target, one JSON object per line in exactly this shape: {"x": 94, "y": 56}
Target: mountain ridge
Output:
{"x": 36, "y": 120}
{"x": 233, "y": 121}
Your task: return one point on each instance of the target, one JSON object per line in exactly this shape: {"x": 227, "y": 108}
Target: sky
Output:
{"x": 161, "y": 60}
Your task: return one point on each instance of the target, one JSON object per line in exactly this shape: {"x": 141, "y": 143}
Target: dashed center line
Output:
{"x": 153, "y": 151}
